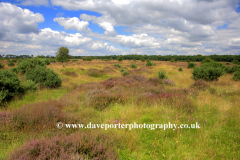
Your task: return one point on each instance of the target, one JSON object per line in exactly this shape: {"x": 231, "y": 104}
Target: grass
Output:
{"x": 132, "y": 99}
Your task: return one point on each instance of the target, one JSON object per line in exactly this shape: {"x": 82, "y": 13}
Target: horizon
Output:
{"x": 106, "y": 28}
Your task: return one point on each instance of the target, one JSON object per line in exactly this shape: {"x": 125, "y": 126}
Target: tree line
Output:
{"x": 193, "y": 58}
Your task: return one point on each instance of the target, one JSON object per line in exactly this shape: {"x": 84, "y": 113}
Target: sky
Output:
{"x": 120, "y": 27}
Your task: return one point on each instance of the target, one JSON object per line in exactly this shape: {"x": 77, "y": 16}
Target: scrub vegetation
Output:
{"x": 37, "y": 93}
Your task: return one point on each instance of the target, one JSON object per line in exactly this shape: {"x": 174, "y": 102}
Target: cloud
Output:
{"x": 34, "y": 2}
{"x": 109, "y": 30}
{"x": 18, "y": 20}
{"x": 72, "y": 23}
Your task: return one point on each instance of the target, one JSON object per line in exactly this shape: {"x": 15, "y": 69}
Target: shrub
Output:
{"x": 9, "y": 85}
{"x": 180, "y": 69}
{"x": 200, "y": 84}
{"x": 228, "y": 63}
{"x": 162, "y": 75}
{"x": 235, "y": 61}
{"x": 11, "y": 63}
{"x": 207, "y": 73}
{"x": 207, "y": 60}
{"x": 143, "y": 60}
{"x": 172, "y": 60}
{"x": 86, "y": 58}
{"x": 191, "y": 65}
{"x": 14, "y": 60}
{"x": 133, "y": 65}
{"x": 92, "y": 72}
{"x": 68, "y": 73}
{"x": 120, "y": 58}
{"x": 75, "y": 60}
{"x": 1, "y": 65}
{"x": 38, "y": 115}
{"x": 81, "y": 145}
{"x": 44, "y": 76}
{"x": 29, "y": 85}
{"x": 27, "y": 64}
{"x": 188, "y": 60}
{"x": 149, "y": 63}
{"x": 125, "y": 73}
{"x": 117, "y": 65}
{"x": 122, "y": 70}
{"x": 236, "y": 76}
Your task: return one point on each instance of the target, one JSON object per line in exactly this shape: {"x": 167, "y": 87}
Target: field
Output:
{"x": 97, "y": 92}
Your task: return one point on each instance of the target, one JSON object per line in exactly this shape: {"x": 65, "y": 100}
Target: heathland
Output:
{"x": 113, "y": 92}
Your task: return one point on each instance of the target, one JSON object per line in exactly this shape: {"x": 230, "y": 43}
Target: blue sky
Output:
{"x": 113, "y": 27}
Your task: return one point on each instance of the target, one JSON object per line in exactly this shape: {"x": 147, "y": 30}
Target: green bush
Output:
{"x": 120, "y": 58}
{"x": 117, "y": 65}
{"x": 143, "y": 60}
{"x": 207, "y": 72}
{"x": 27, "y": 64}
{"x": 1, "y": 65}
{"x": 125, "y": 73}
{"x": 122, "y": 70}
{"x": 227, "y": 63}
{"x": 149, "y": 63}
{"x": 29, "y": 85}
{"x": 162, "y": 75}
{"x": 172, "y": 60}
{"x": 75, "y": 60}
{"x": 44, "y": 76}
{"x": 233, "y": 69}
{"x": 207, "y": 60}
{"x": 14, "y": 60}
{"x": 180, "y": 69}
{"x": 235, "y": 61}
{"x": 191, "y": 65}
{"x": 133, "y": 65}
{"x": 11, "y": 63}
{"x": 9, "y": 85}
{"x": 236, "y": 76}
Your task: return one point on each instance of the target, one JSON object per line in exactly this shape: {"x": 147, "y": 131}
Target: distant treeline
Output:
{"x": 193, "y": 58}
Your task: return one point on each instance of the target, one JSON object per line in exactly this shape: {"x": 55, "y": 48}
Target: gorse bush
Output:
{"x": 162, "y": 75}
{"x": 133, "y": 65}
{"x": 207, "y": 60}
{"x": 208, "y": 72}
{"x": 44, "y": 76}
{"x": 27, "y": 64}
{"x": 143, "y": 60}
{"x": 9, "y": 85}
{"x": 29, "y": 85}
{"x": 122, "y": 70}
{"x": 236, "y": 76}
{"x": 172, "y": 60}
{"x": 149, "y": 63}
{"x": 120, "y": 58}
{"x": 117, "y": 65}
{"x": 180, "y": 69}
{"x": 125, "y": 73}
{"x": 86, "y": 58}
{"x": 235, "y": 61}
{"x": 75, "y": 60}
{"x": 191, "y": 65}
{"x": 1, "y": 65}
{"x": 11, "y": 63}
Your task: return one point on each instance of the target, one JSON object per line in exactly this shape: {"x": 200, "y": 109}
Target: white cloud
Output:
{"x": 72, "y": 23}
{"x": 18, "y": 20}
{"x": 34, "y": 2}
{"x": 109, "y": 30}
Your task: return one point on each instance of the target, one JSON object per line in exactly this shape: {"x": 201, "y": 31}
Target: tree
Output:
{"x": 120, "y": 58}
{"x": 62, "y": 54}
